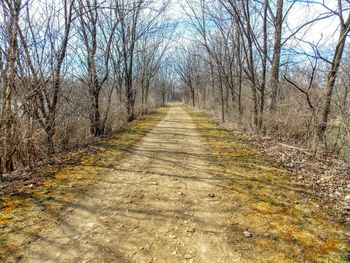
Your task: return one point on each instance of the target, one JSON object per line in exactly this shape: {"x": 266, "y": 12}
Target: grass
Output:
{"x": 286, "y": 226}
{"x": 32, "y": 208}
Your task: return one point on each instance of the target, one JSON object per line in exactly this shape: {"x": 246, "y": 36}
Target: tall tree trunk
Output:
{"x": 264, "y": 69}
{"x": 142, "y": 98}
{"x": 129, "y": 100}
{"x": 240, "y": 73}
{"x": 332, "y": 74}
{"x": 193, "y": 98}
{"x": 277, "y": 47}
{"x": 50, "y": 132}
{"x": 95, "y": 121}
{"x": 10, "y": 84}
{"x": 146, "y": 97}
{"x": 222, "y": 97}
{"x": 50, "y": 126}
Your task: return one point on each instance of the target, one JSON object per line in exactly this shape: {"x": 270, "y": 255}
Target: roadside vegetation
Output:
{"x": 286, "y": 223}
{"x": 51, "y": 189}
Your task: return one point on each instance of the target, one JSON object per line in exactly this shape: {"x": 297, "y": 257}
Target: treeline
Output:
{"x": 75, "y": 69}
{"x": 248, "y": 64}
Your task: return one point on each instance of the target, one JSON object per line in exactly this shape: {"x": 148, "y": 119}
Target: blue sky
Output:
{"x": 299, "y": 14}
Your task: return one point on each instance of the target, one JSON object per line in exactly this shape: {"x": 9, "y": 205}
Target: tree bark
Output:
{"x": 277, "y": 47}
{"x": 13, "y": 7}
{"x": 331, "y": 78}
{"x": 95, "y": 120}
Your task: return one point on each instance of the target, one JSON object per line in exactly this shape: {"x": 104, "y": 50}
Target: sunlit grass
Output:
{"x": 287, "y": 226}
{"x": 33, "y": 208}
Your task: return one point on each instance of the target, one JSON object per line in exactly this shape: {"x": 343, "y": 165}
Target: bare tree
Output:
{"x": 47, "y": 96}
{"x": 10, "y": 9}
{"x": 344, "y": 23}
{"x": 137, "y": 19}
{"x": 186, "y": 71}
{"x": 91, "y": 28}
{"x": 277, "y": 19}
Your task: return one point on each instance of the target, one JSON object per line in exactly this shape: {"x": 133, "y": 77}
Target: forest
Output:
{"x": 73, "y": 70}
{"x": 152, "y": 124}
{"x": 262, "y": 67}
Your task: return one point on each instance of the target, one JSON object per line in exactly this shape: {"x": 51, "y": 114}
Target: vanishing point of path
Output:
{"x": 159, "y": 205}
{"x": 187, "y": 192}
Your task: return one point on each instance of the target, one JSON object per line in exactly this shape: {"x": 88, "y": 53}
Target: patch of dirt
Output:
{"x": 28, "y": 206}
{"x": 186, "y": 193}
{"x": 161, "y": 204}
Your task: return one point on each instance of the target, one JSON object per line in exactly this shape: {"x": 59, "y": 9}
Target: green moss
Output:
{"x": 287, "y": 227}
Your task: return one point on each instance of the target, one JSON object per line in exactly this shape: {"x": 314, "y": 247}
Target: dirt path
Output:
{"x": 160, "y": 205}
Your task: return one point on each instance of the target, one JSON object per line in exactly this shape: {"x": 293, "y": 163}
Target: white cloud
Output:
{"x": 325, "y": 30}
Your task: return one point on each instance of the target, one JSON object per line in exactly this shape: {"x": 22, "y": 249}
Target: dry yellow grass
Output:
{"x": 19, "y": 220}
{"x": 286, "y": 227}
